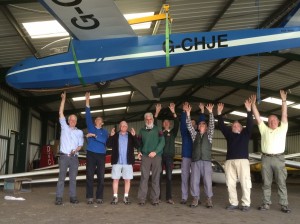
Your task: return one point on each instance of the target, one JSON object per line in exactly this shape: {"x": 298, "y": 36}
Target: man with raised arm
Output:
{"x": 273, "y": 139}
{"x": 169, "y": 148}
{"x": 237, "y": 165}
{"x": 95, "y": 156}
{"x": 187, "y": 148}
{"x": 201, "y": 156}
{"x": 71, "y": 141}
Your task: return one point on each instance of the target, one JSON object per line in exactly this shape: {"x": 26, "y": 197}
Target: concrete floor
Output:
{"x": 39, "y": 207}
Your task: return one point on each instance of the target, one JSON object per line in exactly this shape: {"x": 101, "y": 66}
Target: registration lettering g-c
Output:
{"x": 67, "y": 4}
{"x": 171, "y": 46}
{"x": 93, "y": 22}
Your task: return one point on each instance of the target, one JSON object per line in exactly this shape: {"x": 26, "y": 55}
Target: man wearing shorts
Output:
{"x": 122, "y": 143}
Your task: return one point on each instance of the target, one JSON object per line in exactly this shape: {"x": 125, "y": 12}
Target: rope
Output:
{"x": 77, "y": 65}
{"x": 258, "y": 98}
{"x": 167, "y": 41}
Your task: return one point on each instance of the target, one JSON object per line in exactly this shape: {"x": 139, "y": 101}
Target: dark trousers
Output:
{"x": 95, "y": 162}
{"x": 167, "y": 163}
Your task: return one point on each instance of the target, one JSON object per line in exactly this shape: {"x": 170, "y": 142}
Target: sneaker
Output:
{"x": 99, "y": 201}
{"x": 183, "y": 201}
{"x": 170, "y": 201}
{"x": 232, "y": 207}
{"x": 209, "y": 203}
{"x": 126, "y": 201}
{"x": 90, "y": 201}
{"x": 58, "y": 201}
{"x": 74, "y": 201}
{"x": 195, "y": 203}
{"x": 114, "y": 201}
{"x": 264, "y": 207}
{"x": 285, "y": 209}
{"x": 245, "y": 208}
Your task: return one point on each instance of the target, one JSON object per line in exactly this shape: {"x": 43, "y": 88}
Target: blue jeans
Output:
{"x": 95, "y": 162}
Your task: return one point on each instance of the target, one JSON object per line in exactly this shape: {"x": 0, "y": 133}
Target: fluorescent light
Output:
{"x": 276, "y": 101}
{"x": 238, "y": 113}
{"x": 105, "y": 110}
{"x": 139, "y": 26}
{"x": 117, "y": 108}
{"x": 45, "y": 29}
{"x": 106, "y": 95}
{"x": 296, "y": 106}
{"x": 80, "y": 98}
{"x": 242, "y": 114}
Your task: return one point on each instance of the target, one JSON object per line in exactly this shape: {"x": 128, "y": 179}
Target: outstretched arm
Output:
{"x": 283, "y": 96}
{"x": 254, "y": 109}
{"x": 249, "y": 125}
{"x": 189, "y": 122}
{"x": 211, "y": 125}
{"x": 62, "y": 105}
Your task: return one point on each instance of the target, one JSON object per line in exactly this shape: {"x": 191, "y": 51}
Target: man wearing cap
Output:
{"x": 201, "y": 156}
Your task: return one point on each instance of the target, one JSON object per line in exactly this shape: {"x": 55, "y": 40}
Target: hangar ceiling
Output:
{"x": 229, "y": 81}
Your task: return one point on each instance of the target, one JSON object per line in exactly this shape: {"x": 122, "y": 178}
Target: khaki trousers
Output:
{"x": 238, "y": 170}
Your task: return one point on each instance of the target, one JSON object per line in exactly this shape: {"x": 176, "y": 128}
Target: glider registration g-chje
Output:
{"x": 106, "y": 48}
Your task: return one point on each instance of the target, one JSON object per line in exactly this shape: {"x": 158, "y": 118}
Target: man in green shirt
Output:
{"x": 151, "y": 147}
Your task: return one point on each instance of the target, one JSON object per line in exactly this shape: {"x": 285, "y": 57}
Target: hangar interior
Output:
{"x": 29, "y": 119}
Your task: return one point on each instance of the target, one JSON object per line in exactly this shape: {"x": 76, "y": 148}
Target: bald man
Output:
{"x": 122, "y": 158}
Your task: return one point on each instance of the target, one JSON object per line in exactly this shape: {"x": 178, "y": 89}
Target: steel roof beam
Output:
{"x": 6, "y": 12}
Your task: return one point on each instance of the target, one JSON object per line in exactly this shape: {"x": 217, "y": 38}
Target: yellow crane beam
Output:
{"x": 160, "y": 16}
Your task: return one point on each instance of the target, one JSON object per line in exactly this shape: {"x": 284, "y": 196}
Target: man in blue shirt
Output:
{"x": 71, "y": 141}
{"x": 122, "y": 158}
{"x": 96, "y": 152}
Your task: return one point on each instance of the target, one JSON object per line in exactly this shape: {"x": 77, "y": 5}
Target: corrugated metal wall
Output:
{"x": 35, "y": 138}
{"x": 9, "y": 120}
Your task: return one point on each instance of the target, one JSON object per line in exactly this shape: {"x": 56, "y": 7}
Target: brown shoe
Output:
{"x": 170, "y": 201}
{"x": 195, "y": 202}
{"x": 209, "y": 203}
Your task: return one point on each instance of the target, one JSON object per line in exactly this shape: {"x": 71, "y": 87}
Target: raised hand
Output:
{"x": 248, "y": 103}
{"x": 253, "y": 99}
{"x": 172, "y": 107}
{"x": 113, "y": 132}
{"x": 87, "y": 95}
{"x": 209, "y": 107}
{"x": 220, "y": 108}
{"x": 188, "y": 110}
{"x": 283, "y": 95}
{"x": 63, "y": 95}
{"x": 157, "y": 109}
{"x": 201, "y": 107}
{"x": 132, "y": 131}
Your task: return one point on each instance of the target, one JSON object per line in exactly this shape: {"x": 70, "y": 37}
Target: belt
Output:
{"x": 273, "y": 155}
{"x": 67, "y": 154}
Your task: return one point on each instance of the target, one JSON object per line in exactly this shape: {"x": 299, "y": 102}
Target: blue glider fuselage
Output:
{"x": 92, "y": 61}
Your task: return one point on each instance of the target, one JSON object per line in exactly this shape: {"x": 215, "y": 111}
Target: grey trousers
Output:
{"x": 153, "y": 164}
{"x": 185, "y": 177}
{"x": 202, "y": 169}
{"x": 274, "y": 166}
{"x": 66, "y": 162}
